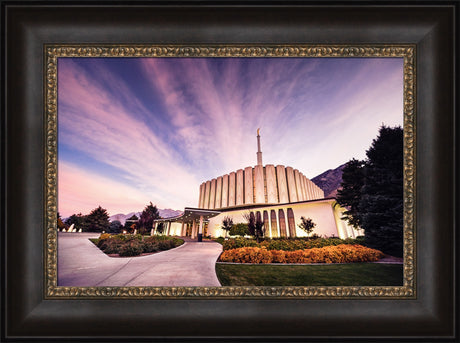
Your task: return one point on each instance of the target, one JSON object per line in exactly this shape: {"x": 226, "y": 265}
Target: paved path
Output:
{"x": 81, "y": 263}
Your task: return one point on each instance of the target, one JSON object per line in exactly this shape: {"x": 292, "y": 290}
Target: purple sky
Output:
{"x": 135, "y": 130}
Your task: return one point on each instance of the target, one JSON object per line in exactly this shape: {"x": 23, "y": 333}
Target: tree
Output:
{"x": 349, "y": 196}
{"x": 160, "y": 228}
{"x": 227, "y": 224}
{"x": 60, "y": 223}
{"x": 115, "y": 227}
{"x": 149, "y": 214}
{"x": 372, "y": 192}
{"x": 255, "y": 225}
{"x": 131, "y": 223}
{"x": 80, "y": 221}
{"x": 240, "y": 229}
{"x": 98, "y": 220}
{"x": 381, "y": 205}
{"x": 306, "y": 225}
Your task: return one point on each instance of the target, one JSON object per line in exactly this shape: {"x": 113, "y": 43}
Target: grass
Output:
{"x": 353, "y": 274}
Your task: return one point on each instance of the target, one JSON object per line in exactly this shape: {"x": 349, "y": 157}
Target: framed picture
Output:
{"x": 70, "y": 68}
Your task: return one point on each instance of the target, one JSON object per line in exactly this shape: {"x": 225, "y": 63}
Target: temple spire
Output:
{"x": 259, "y": 153}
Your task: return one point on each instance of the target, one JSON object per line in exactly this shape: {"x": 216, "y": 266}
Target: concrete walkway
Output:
{"x": 81, "y": 263}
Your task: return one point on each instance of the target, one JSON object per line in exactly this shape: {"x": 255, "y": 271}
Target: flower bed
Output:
{"x": 135, "y": 245}
{"x": 288, "y": 244}
{"x": 343, "y": 253}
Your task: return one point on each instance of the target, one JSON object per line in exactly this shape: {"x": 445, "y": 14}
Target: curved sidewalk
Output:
{"x": 82, "y": 264}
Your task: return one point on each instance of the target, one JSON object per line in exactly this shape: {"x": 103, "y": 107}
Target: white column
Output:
{"x": 212, "y": 198}
{"x": 225, "y": 190}
{"x": 200, "y": 230}
{"x": 193, "y": 229}
{"x": 291, "y": 184}
{"x": 298, "y": 185}
{"x": 239, "y": 187}
{"x": 259, "y": 184}
{"x": 200, "y": 198}
{"x": 231, "y": 189}
{"x": 282, "y": 184}
{"x": 248, "y": 186}
{"x": 218, "y": 203}
{"x": 272, "y": 190}
{"x": 206, "y": 194}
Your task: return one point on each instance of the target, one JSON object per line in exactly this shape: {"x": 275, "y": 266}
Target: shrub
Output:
{"x": 278, "y": 256}
{"x": 219, "y": 240}
{"x": 343, "y": 253}
{"x": 133, "y": 245}
{"x": 288, "y": 244}
{"x": 149, "y": 247}
{"x": 104, "y": 236}
{"x": 240, "y": 229}
{"x": 247, "y": 255}
{"x": 239, "y": 242}
{"x": 165, "y": 245}
{"x": 131, "y": 248}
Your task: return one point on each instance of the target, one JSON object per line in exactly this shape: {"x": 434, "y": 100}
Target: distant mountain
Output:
{"x": 329, "y": 181}
{"x": 164, "y": 213}
{"x": 168, "y": 213}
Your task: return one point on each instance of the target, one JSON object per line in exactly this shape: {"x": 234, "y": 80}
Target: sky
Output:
{"x": 137, "y": 130}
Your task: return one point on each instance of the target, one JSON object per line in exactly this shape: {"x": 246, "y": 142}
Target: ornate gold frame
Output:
{"x": 53, "y": 52}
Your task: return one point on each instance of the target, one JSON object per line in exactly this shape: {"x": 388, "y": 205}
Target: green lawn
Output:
{"x": 353, "y": 274}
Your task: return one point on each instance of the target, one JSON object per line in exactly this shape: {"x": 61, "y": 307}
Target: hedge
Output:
{"x": 288, "y": 244}
{"x": 343, "y": 253}
{"x": 134, "y": 245}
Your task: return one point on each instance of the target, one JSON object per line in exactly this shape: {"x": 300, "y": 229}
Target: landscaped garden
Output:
{"x": 353, "y": 274}
{"x": 123, "y": 245}
{"x": 284, "y": 262}
{"x": 298, "y": 250}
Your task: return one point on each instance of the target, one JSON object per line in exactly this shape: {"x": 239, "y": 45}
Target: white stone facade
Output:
{"x": 282, "y": 220}
{"x": 258, "y": 185}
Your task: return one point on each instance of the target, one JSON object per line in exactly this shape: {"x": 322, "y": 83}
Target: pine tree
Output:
{"x": 149, "y": 214}
{"x": 349, "y": 196}
{"x": 381, "y": 205}
{"x": 372, "y": 192}
{"x": 98, "y": 220}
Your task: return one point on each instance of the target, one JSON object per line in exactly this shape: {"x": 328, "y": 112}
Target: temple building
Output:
{"x": 278, "y": 195}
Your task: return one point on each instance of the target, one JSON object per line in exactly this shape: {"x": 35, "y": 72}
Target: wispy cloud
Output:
{"x": 165, "y": 125}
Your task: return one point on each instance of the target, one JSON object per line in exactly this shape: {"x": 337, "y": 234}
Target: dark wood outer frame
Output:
{"x": 26, "y": 314}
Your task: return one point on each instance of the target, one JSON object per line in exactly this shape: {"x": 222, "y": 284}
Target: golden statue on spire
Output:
{"x": 258, "y": 130}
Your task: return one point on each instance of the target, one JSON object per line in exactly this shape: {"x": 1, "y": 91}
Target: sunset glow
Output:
{"x": 135, "y": 130}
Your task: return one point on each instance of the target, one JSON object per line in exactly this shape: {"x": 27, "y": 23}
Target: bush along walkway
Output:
{"x": 135, "y": 245}
{"x": 82, "y": 264}
{"x": 343, "y": 253}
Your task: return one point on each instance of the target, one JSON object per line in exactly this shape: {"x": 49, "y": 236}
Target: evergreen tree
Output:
{"x": 98, "y": 220}
{"x": 349, "y": 196}
{"x": 149, "y": 214}
{"x": 80, "y": 221}
{"x": 372, "y": 192}
{"x": 381, "y": 205}
{"x": 115, "y": 227}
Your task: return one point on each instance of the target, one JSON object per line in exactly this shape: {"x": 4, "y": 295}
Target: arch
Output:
{"x": 291, "y": 222}
{"x": 282, "y": 221}
{"x": 266, "y": 224}
{"x": 274, "y": 224}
